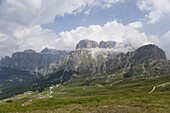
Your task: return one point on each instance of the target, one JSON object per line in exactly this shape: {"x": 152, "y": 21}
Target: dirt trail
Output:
{"x": 161, "y": 85}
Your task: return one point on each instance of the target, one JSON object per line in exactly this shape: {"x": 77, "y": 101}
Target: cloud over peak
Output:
{"x": 21, "y": 23}
{"x": 35, "y": 37}
{"x": 110, "y": 31}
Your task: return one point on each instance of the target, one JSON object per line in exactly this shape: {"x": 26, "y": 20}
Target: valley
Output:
{"x": 123, "y": 96}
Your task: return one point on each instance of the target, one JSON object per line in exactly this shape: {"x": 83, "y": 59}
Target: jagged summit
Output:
{"x": 30, "y": 59}
{"x": 147, "y": 55}
{"x": 107, "y": 44}
{"x": 150, "y": 51}
{"x": 97, "y": 61}
{"x": 87, "y": 44}
{"x": 53, "y": 51}
{"x": 148, "y": 60}
{"x": 93, "y": 44}
{"x": 47, "y": 50}
{"x": 29, "y": 51}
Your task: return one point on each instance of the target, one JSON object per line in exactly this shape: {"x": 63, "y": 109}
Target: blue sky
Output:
{"x": 125, "y": 13}
{"x": 36, "y": 24}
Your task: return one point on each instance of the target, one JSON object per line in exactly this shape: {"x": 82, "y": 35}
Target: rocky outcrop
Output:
{"x": 107, "y": 44}
{"x": 31, "y": 60}
{"x": 93, "y": 63}
{"x": 87, "y": 44}
{"x": 91, "y": 58}
{"x": 55, "y": 52}
{"x": 81, "y": 60}
{"x": 85, "y": 58}
{"x": 94, "y": 44}
{"x": 148, "y": 60}
{"x": 147, "y": 54}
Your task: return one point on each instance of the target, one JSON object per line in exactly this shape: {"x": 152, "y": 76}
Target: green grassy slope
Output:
{"x": 116, "y": 96}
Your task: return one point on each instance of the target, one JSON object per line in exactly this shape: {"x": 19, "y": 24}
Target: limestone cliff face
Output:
{"x": 87, "y": 44}
{"x": 81, "y": 60}
{"x": 93, "y": 44}
{"x": 107, "y": 44}
{"x": 30, "y": 60}
{"x": 148, "y": 60}
{"x": 91, "y": 58}
{"x": 87, "y": 55}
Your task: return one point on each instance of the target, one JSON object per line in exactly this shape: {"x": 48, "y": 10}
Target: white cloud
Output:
{"x": 37, "y": 38}
{"x": 33, "y": 37}
{"x": 33, "y": 12}
{"x": 7, "y": 45}
{"x": 20, "y": 24}
{"x": 165, "y": 41}
{"x": 106, "y": 3}
{"x": 110, "y": 31}
{"x": 157, "y": 9}
{"x": 20, "y": 21}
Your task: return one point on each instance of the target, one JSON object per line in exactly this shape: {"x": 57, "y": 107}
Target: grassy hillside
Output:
{"x": 102, "y": 95}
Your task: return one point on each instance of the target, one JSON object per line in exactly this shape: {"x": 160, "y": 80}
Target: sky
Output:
{"x": 61, "y": 24}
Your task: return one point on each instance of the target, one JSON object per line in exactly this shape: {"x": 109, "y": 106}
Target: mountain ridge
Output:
{"x": 32, "y": 60}
{"x": 98, "y": 63}
{"x": 146, "y": 60}
{"x": 86, "y": 43}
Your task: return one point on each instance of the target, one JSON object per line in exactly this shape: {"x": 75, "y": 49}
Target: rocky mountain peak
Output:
{"x": 107, "y": 44}
{"x": 93, "y": 44}
{"x": 47, "y": 50}
{"x": 150, "y": 52}
{"x": 148, "y": 60}
{"x": 30, "y": 59}
{"x": 87, "y": 44}
{"x": 29, "y": 51}
{"x": 52, "y": 51}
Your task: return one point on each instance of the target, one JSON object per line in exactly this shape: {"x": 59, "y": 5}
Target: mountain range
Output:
{"x": 89, "y": 59}
{"x": 30, "y": 59}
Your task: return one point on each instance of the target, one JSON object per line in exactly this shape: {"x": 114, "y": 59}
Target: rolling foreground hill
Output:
{"x": 95, "y": 77}
{"x": 119, "y": 96}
